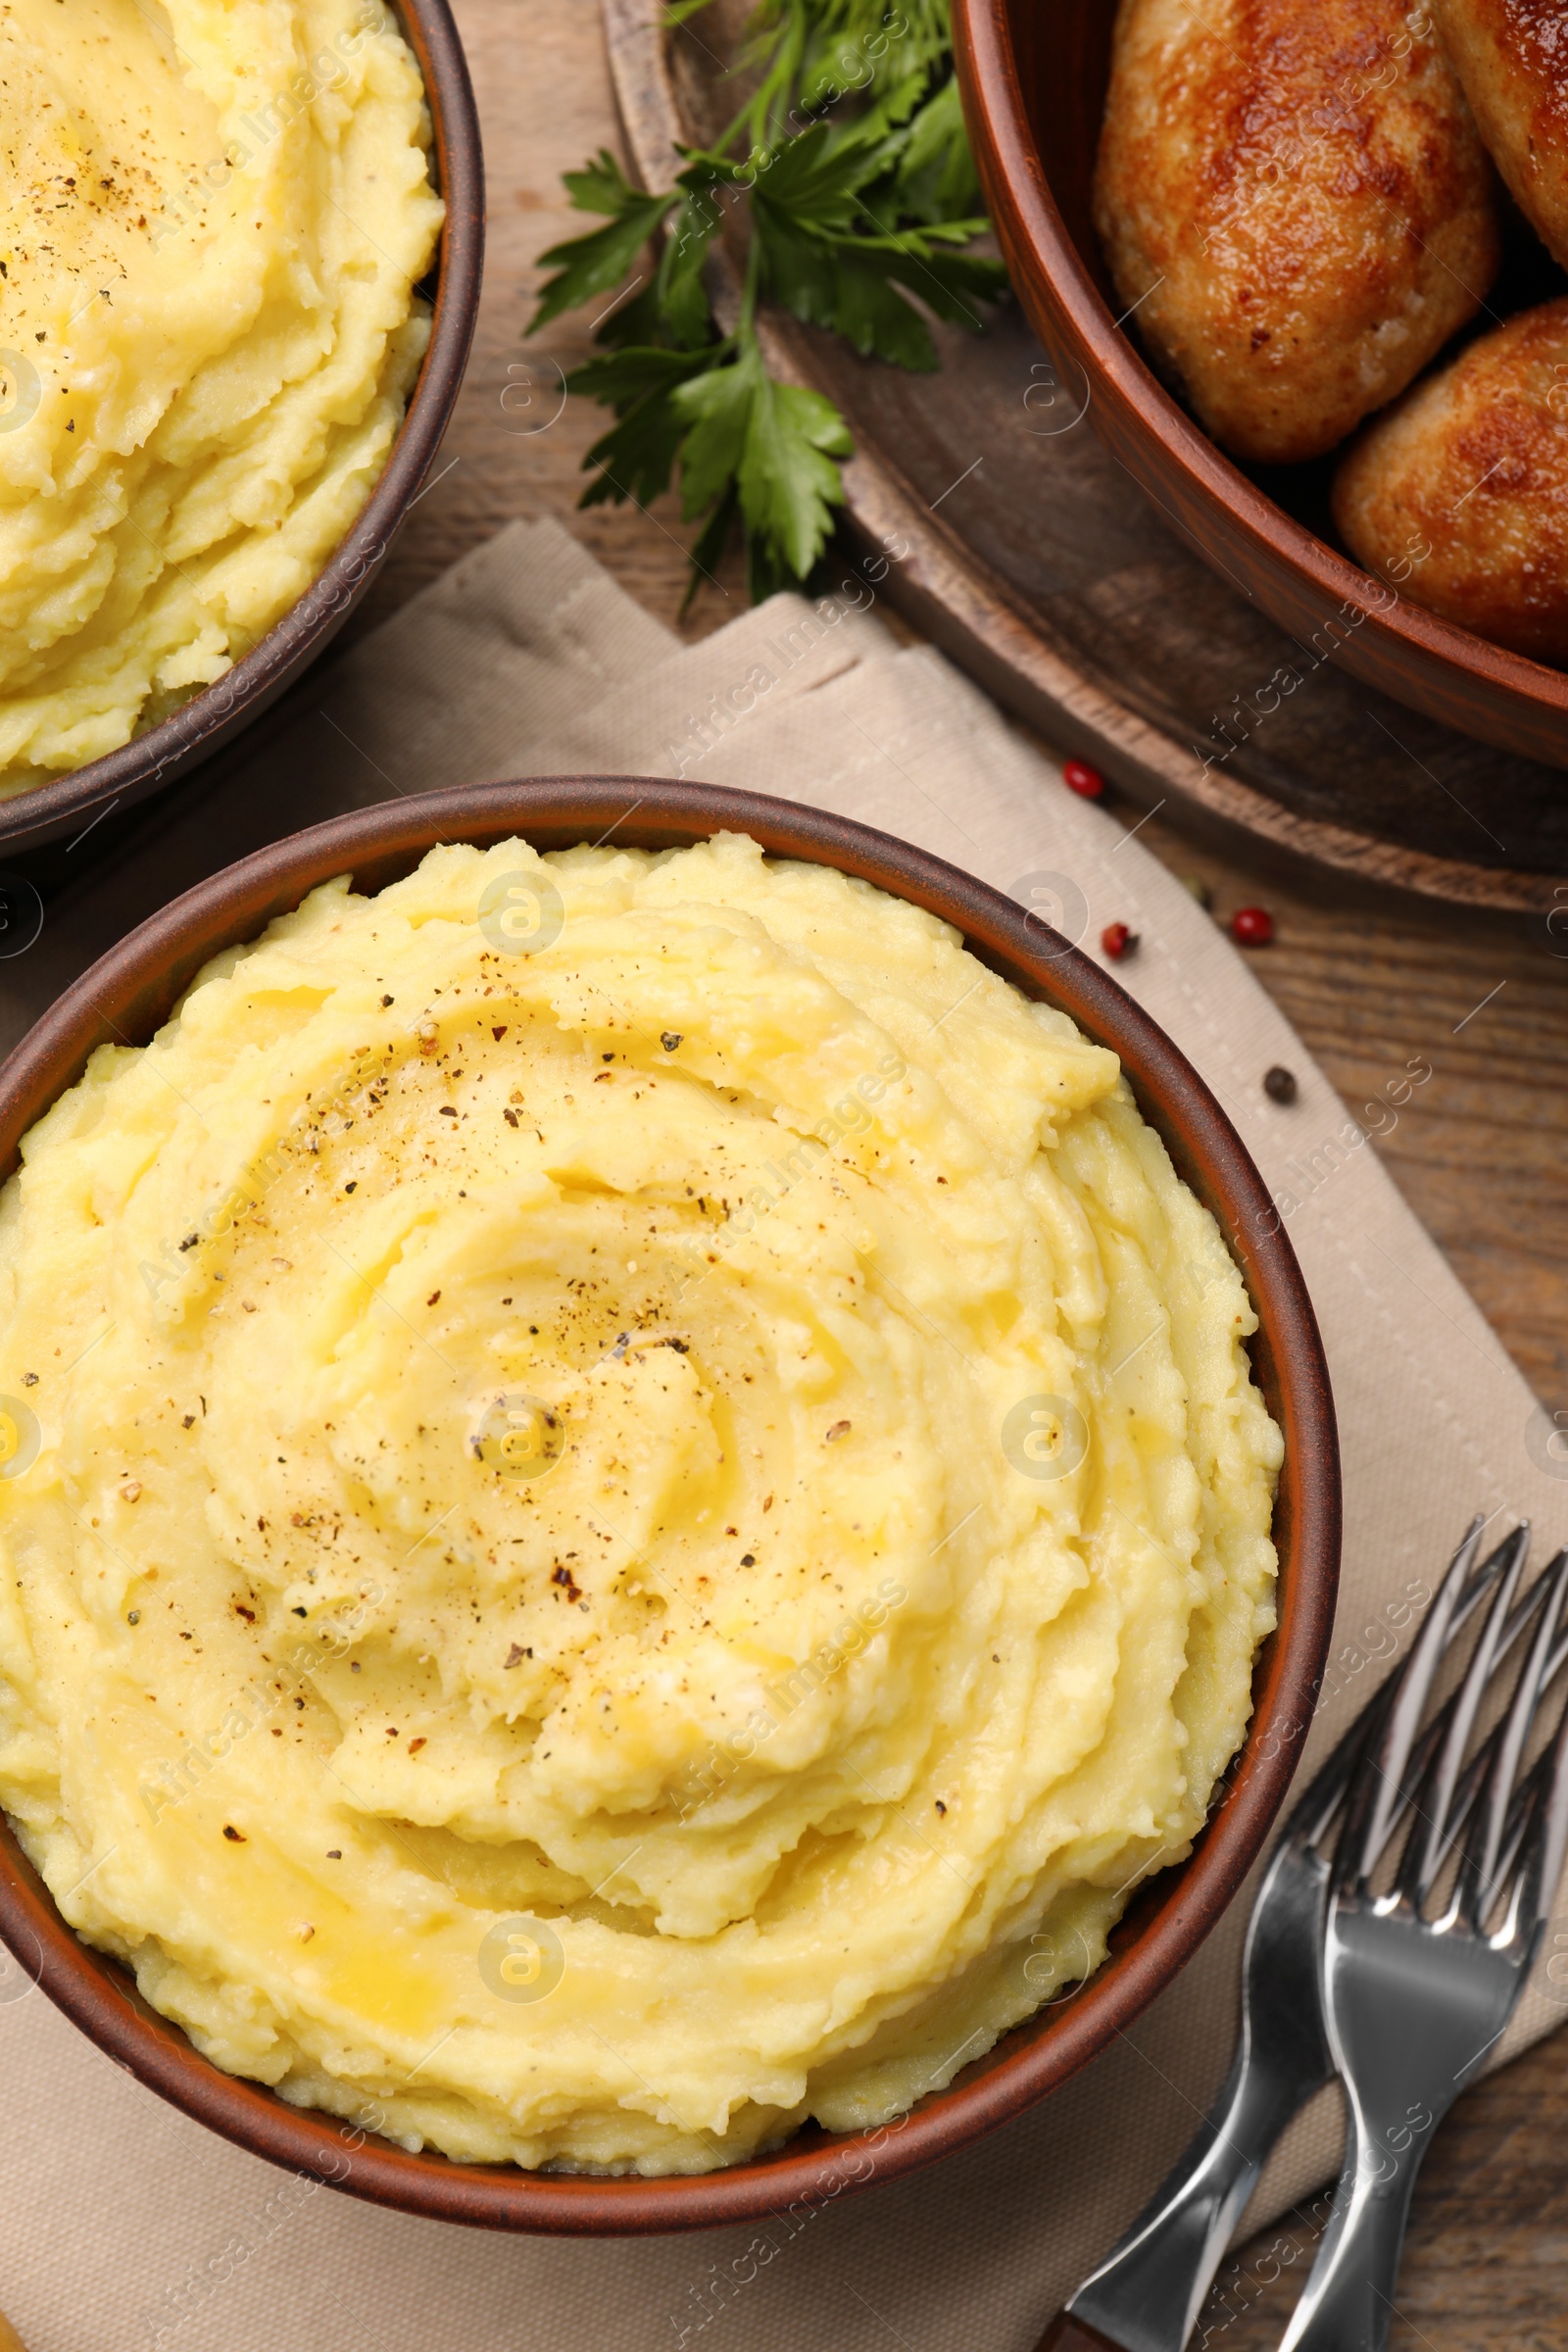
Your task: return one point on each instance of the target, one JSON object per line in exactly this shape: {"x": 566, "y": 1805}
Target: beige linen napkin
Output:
{"x": 123, "y": 2223}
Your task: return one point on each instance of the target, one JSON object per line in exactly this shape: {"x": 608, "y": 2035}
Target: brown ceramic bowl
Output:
{"x": 72, "y": 802}
{"x": 1034, "y": 81}
{"x": 126, "y": 996}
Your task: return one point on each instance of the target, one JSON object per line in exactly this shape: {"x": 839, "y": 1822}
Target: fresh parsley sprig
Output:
{"x": 848, "y": 171}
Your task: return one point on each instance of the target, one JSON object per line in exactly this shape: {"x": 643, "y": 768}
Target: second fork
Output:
{"x": 1414, "y": 2003}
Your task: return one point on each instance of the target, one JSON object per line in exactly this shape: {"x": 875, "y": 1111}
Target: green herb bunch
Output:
{"x": 852, "y": 181}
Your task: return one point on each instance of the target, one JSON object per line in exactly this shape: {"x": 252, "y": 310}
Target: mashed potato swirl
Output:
{"x": 212, "y": 218}
{"x": 635, "y": 1503}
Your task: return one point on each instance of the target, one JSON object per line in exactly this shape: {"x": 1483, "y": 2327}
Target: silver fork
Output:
{"x": 1146, "y": 2296}
{"x": 1414, "y": 2003}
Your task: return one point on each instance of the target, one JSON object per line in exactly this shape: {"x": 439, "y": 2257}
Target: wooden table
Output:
{"x": 1480, "y": 1152}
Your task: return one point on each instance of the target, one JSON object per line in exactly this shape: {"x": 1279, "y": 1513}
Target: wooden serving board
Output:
{"x": 1038, "y": 565}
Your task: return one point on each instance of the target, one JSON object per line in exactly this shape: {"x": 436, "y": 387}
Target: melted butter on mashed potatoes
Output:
{"x": 629, "y": 1543}
{"x": 212, "y": 218}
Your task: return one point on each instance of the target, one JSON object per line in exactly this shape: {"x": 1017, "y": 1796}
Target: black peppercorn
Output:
{"x": 1279, "y": 1083}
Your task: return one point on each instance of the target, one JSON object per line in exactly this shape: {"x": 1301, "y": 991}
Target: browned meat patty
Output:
{"x": 1294, "y": 194}
{"x": 1512, "y": 57}
{"x": 1460, "y": 493}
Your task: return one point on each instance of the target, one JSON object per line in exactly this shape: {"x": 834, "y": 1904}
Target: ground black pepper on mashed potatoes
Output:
{"x": 634, "y": 1504}
{"x": 212, "y": 218}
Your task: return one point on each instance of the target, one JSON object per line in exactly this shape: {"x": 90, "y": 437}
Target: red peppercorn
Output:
{"x": 1086, "y": 781}
{"x": 1251, "y": 926}
{"x": 1117, "y": 941}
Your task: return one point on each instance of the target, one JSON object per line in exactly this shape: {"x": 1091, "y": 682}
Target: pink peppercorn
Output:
{"x": 1081, "y": 778}
{"x": 1251, "y": 926}
{"x": 1117, "y": 941}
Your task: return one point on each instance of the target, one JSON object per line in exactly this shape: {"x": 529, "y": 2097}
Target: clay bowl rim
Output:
{"x": 1050, "y": 273}
{"x": 130, "y": 989}
{"x": 220, "y": 711}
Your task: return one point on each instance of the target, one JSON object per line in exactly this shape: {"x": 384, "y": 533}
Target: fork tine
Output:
{"x": 1434, "y": 1837}
{"x": 1484, "y": 1778}
{"x": 1523, "y": 1815}
{"x": 1527, "y": 1697}
{"x": 1421, "y": 1778}
{"x": 1544, "y": 1864}
{"x": 1317, "y": 1810}
{"x": 1556, "y": 1663}
{"x": 1435, "y": 1729}
{"x": 1414, "y": 1879}
{"x": 1377, "y": 1796}
{"x": 1480, "y": 1585}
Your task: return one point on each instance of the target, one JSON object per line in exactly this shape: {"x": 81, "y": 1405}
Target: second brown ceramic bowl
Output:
{"x": 1034, "y": 81}
{"x": 70, "y": 803}
{"x": 126, "y": 996}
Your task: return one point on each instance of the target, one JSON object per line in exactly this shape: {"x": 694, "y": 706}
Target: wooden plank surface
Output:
{"x": 1480, "y": 1152}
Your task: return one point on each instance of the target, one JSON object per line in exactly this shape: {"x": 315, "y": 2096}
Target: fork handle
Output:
{"x": 1146, "y": 2293}
{"x": 1347, "y": 2301}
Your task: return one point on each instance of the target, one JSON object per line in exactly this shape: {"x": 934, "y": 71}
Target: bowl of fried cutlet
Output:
{"x": 1307, "y": 264}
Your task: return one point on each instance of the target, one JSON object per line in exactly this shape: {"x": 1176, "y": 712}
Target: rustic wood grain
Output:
{"x": 1480, "y": 1152}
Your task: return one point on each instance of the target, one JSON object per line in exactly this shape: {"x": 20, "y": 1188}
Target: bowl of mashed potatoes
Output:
{"x": 669, "y": 1507}
{"x": 239, "y": 271}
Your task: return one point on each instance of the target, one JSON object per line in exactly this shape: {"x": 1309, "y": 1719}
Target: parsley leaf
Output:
{"x": 717, "y": 409}
{"x": 937, "y": 180}
{"x": 637, "y": 456}
{"x": 788, "y": 480}
{"x": 601, "y": 186}
{"x": 776, "y": 442}
{"x": 605, "y": 257}
{"x": 850, "y": 160}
